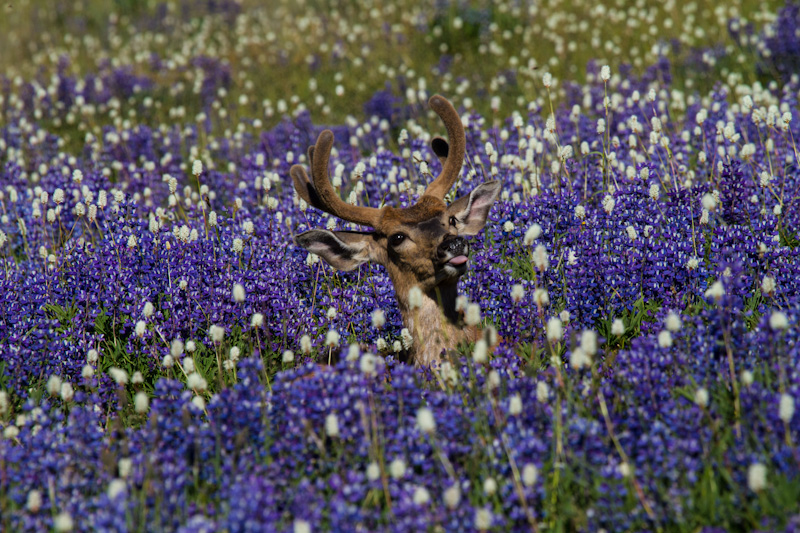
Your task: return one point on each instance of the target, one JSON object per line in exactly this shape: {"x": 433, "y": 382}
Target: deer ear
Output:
{"x": 441, "y": 148}
{"x": 471, "y": 210}
{"x": 343, "y": 250}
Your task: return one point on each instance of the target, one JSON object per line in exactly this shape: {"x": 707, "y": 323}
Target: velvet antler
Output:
{"x": 320, "y": 193}
{"x": 451, "y": 155}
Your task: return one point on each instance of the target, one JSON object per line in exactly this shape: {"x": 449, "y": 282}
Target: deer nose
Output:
{"x": 452, "y": 246}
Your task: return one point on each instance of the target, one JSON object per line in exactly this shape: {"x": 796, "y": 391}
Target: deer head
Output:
{"x": 420, "y": 246}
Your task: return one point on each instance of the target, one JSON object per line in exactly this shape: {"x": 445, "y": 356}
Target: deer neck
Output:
{"x": 436, "y": 325}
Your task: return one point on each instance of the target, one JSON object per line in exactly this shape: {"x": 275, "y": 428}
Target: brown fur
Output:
{"x": 432, "y": 236}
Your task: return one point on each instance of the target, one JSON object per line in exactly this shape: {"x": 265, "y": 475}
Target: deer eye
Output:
{"x": 397, "y": 239}
{"x": 453, "y": 221}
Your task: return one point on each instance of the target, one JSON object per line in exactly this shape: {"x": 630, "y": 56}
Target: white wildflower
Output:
{"x": 425, "y": 420}
{"x": 757, "y": 477}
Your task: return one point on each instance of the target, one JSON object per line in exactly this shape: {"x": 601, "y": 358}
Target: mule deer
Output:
{"x": 420, "y": 246}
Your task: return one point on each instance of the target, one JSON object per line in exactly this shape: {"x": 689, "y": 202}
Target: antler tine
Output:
{"x": 452, "y": 155}
{"x": 320, "y": 194}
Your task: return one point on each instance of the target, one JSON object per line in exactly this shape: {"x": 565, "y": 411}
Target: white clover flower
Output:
{"x": 287, "y": 357}
{"x": 406, "y": 339}
{"x": 34, "y": 501}
{"x": 368, "y": 364}
{"x": 542, "y": 392}
{"x": 589, "y": 342}
{"x": 301, "y": 526}
{"x": 378, "y": 318}
{"x": 421, "y": 496}
{"x": 768, "y": 285}
{"x": 540, "y": 258}
{"x": 529, "y": 474}
{"x": 238, "y": 292}
{"x": 757, "y": 477}
{"x": 332, "y": 338}
{"x": 425, "y": 420}
{"x": 508, "y": 226}
{"x": 480, "y": 353}
{"x": 716, "y": 291}
{"x": 489, "y": 486}
{"x": 305, "y": 344}
{"x": 541, "y": 297}
{"x": 54, "y": 385}
{"x": 116, "y": 488}
{"x": 517, "y": 293}
{"x": 125, "y": 467}
{"x": 778, "y": 321}
{"x": 532, "y": 233}
{"x": 332, "y": 425}
{"x": 67, "y": 392}
{"x": 233, "y": 353}
{"x": 197, "y": 167}
{"x": 199, "y": 403}
{"x": 397, "y": 468}
{"x": 514, "y": 405}
{"x": 673, "y": 322}
{"x": 483, "y": 519}
{"x": 212, "y": 218}
{"x": 617, "y": 327}
{"x": 632, "y": 233}
{"x": 217, "y": 333}
{"x": 555, "y": 331}
{"x": 353, "y": 353}
{"x": 373, "y": 471}
{"x": 786, "y": 408}
{"x": 452, "y": 496}
{"x": 238, "y": 245}
{"x": 655, "y": 191}
{"x": 709, "y": 202}
{"x": 472, "y": 316}
{"x": 257, "y": 320}
{"x": 692, "y": 263}
{"x": 196, "y": 382}
{"x": 605, "y": 73}
{"x": 701, "y": 397}
{"x": 665, "y": 339}
{"x": 63, "y": 522}
{"x": 601, "y": 126}
{"x": 608, "y": 203}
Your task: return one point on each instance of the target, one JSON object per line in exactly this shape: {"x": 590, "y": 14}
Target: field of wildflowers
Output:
{"x": 171, "y": 360}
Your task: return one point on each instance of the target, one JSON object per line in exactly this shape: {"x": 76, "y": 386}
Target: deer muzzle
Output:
{"x": 453, "y": 251}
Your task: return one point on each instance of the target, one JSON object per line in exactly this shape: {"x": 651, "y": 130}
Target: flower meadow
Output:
{"x": 171, "y": 361}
